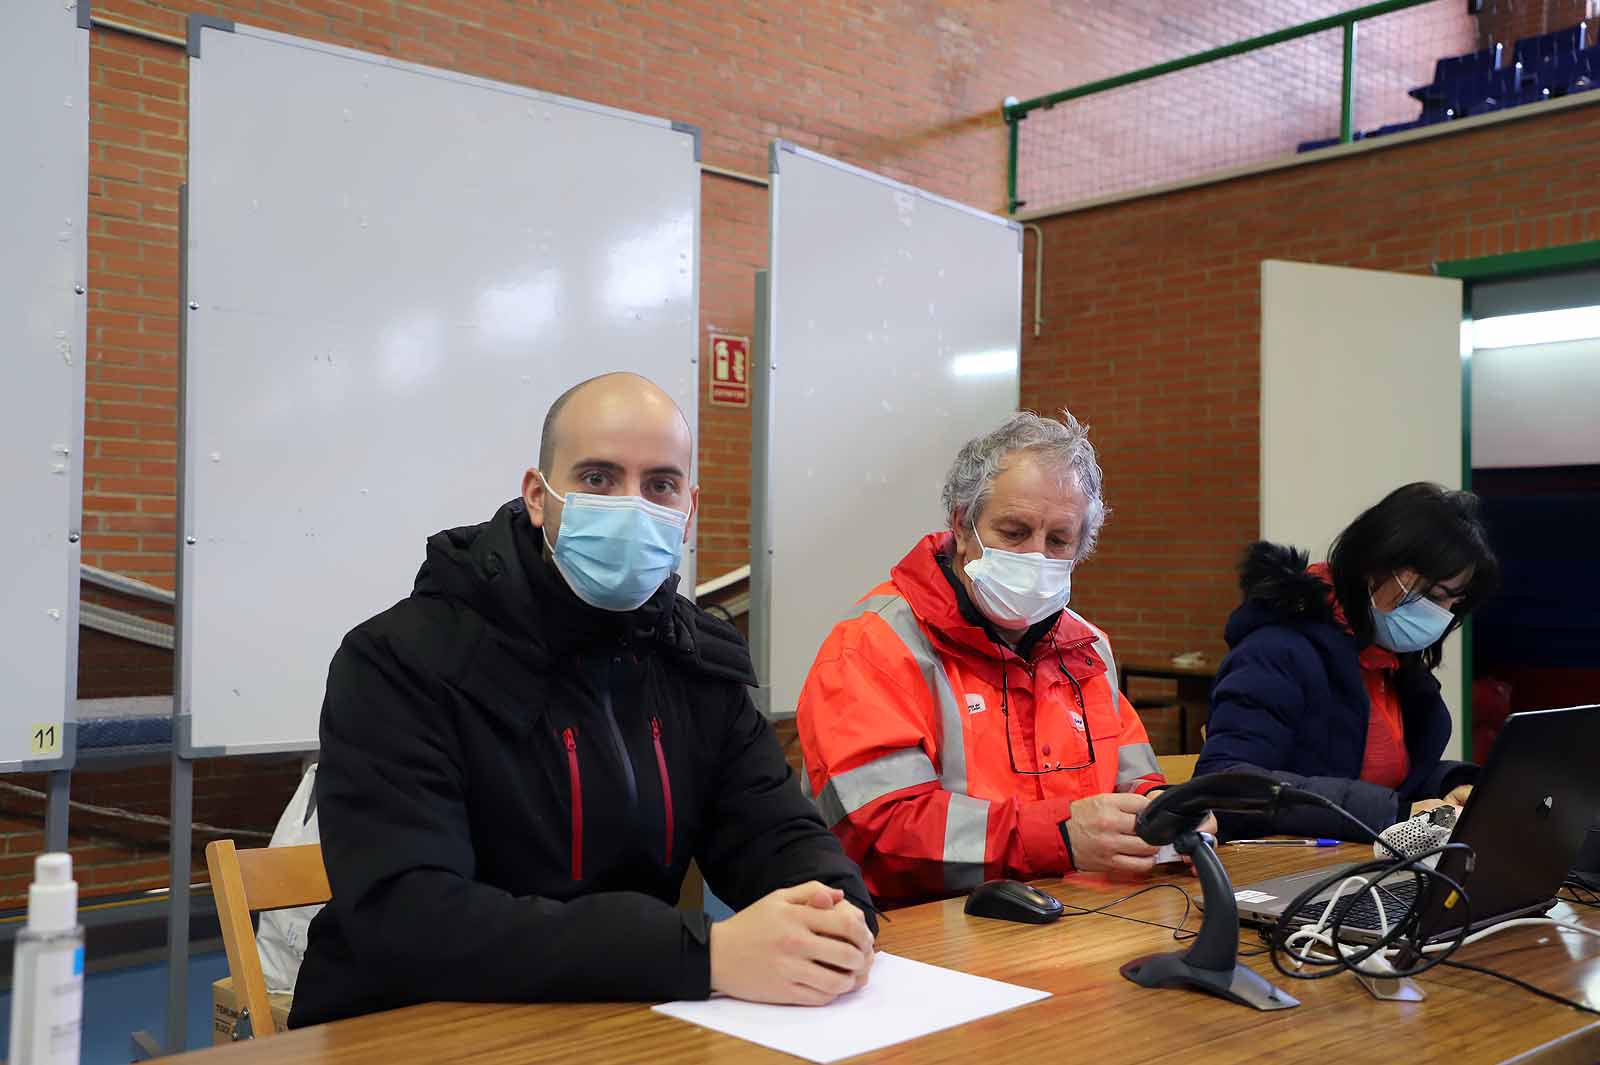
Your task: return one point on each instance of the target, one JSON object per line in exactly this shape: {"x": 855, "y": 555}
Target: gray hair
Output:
{"x": 1062, "y": 443}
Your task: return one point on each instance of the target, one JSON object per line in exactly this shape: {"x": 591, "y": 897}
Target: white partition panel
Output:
{"x": 44, "y": 175}
{"x": 391, "y": 272}
{"x": 892, "y": 333}
{"x": 1360, "y": 394}
{"x": 1536, "y": 405}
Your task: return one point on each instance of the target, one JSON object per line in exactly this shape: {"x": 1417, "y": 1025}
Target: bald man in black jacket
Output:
{"x": 514, "y": 779}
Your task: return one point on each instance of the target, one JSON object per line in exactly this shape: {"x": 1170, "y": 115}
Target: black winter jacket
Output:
{"x": 512, "y": 784}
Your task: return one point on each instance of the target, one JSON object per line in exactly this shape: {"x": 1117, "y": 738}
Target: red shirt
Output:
{"x": 1386, "y": 762}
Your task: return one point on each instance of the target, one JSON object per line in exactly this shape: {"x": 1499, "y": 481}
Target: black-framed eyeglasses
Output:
{"x": 1005, "y": 716}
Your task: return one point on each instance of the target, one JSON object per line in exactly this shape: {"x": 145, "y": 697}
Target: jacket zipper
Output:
{"x": 570, "y": 738}
{"x": 666, "y": 782}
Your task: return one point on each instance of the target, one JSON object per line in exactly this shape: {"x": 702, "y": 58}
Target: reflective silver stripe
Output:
{"x": 1134, "y": 761}
{"x": 805, "y": 782}
{"x": 847, "y": 792}
{"x": 898, "y": 615}
{"x": 1102, "y": 647}
{"x": 966, "y": 835}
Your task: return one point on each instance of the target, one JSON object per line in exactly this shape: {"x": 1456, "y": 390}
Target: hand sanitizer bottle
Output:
{"x": 47, "y": 970}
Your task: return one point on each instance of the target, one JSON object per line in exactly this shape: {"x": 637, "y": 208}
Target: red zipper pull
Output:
{"x": 570, "y": 740}
{"x": 666, "y": 784}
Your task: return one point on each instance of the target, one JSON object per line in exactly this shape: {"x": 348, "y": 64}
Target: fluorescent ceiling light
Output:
{"x": 1541, "y": 327}
{"x": 984, "y": 363}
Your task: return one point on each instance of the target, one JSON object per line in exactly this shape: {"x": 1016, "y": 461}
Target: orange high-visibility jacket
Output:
{"x": 903, "y": 721}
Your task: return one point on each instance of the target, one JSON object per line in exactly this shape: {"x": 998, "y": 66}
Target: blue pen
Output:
{"x": 1319, "y": 842}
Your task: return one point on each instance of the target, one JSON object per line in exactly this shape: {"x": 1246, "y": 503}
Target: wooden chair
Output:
{"x": 1177, "y": 768}
{"x": 253, "y": 881}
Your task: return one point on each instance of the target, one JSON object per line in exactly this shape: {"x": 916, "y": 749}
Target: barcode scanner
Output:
{"x": 1211, "y": 964}
{"x": 1182, "y": 808}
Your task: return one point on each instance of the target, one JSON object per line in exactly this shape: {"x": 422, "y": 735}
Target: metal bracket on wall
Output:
{"x": 693, "y": 131}
{"x": 772, "y": 154}
{"x": 197, "y": 23}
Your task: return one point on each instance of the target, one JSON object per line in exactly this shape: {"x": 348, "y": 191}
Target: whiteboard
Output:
{"x": 391, "y": 272}
{"x": 44, "y": 177}
{"x": 892, "y": 334}
{"x": 1360, "y": 394}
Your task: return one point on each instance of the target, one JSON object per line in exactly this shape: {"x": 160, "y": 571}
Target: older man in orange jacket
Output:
{"x": 963, "y": 724}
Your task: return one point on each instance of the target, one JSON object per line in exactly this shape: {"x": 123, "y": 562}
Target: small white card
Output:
{"x": 1253, "y": 896}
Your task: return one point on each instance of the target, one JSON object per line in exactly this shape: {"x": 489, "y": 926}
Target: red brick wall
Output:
{"x": 1508, "y": 20}
{"x": 136, "y": 162}
{"x": 1153, "y": 309}
{"x": 733, "y": 240}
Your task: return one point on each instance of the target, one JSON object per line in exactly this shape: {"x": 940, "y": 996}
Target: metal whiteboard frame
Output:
{"x": 184, "y": 751}
{"x": 764, "y": 370}
{"x": 760, "y": 609}
{"x": 73, "y": 341}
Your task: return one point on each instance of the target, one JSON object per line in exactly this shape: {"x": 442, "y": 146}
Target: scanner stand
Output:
{"x": 1211, "y": 964}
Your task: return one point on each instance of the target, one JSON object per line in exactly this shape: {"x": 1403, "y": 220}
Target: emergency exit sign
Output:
{"x": 730, "y": 371}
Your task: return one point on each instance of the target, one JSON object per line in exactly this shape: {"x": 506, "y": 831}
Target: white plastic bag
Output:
{"x": 281, "y": 938}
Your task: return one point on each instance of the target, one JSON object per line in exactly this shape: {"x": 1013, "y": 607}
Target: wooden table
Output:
{"x": 1093, "y": 1016}
{"x": 1193, "y": 699}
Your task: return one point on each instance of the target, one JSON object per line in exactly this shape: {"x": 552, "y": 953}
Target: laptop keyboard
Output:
{"x": 1358, "y": 912}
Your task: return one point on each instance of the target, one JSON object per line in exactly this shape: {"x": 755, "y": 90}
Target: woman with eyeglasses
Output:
{"x": 963, "y": 724}
{"x": 1329, "y": 683}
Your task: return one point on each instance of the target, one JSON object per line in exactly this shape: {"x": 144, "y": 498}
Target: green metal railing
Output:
{"x": 1016, "y": 112}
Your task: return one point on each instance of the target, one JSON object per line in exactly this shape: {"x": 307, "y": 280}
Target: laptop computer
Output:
{"x": 1527, "y": 817}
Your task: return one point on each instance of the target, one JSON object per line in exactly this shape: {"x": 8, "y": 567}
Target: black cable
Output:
{"x": 1514, "y": 981}
{"x": 1403, "y": 931}
{"x": 1179, "y": 932}
{"x": 1580, "y": 894}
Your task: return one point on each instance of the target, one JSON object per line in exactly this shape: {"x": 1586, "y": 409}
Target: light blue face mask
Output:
{"x": 615, "y": 551}
{"x": 1410, "y": 626}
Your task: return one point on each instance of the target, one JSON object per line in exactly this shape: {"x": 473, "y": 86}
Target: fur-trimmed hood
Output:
{"x": 1278, "y": 589}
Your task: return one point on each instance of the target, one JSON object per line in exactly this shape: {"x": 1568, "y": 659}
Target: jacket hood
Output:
{"x": 499, "y": 570}
{"x": 1279, "y": 589}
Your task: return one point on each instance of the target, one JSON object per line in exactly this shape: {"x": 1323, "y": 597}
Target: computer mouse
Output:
{"x": 1009, "y": 900}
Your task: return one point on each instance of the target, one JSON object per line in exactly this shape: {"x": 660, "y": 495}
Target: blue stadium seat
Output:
{"x": 1569, "y": 73}
{"x": 1588, "y": 74}
{"x": 1552, "y": 64}
{"x": 1396, "y": 127}
{"x": 1482, "y": 93}
{"x": 1532, "y": 52}
{"x": 1326, "y": 142}
{"x": 1450, "y": 70}
{"x": 1546, "y": 64}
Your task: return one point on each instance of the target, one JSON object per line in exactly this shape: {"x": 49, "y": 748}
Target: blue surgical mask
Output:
{"x": 615, "y": 551}
{"x": 1411, "y": 626}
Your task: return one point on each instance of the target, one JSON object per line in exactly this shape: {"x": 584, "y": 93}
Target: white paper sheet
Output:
{"x": 904, "y": 999}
